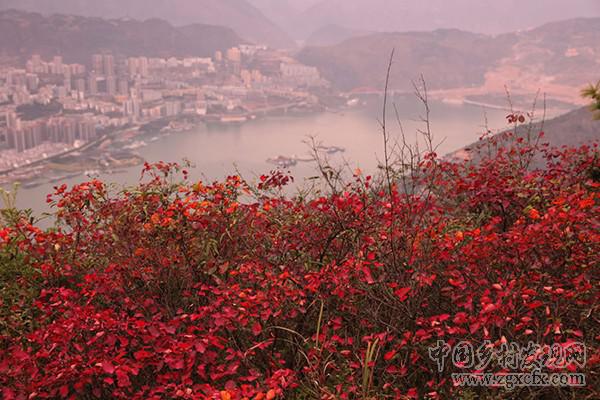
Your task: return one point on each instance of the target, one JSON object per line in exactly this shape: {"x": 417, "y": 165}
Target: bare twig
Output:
{"x": 386, "y": 154}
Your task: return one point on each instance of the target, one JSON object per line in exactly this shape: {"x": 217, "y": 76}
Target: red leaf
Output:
{"x": 4, "y": 234}
{"x": 489, "y": 308}
{"x": 402, "y": 293}
{"x": 454, "y": 282}
{"x": 535, "y": 304}
{"x": 256, "y": 329}
{"x": 108, "y": 367}
{"x": 142, "y": 355}
{"x": 64, "y": 391}
{"x": 368, "y": 276}
{"x": 123, "y": 378}
{"x": 389, "y": 355}
{"x": 443, "y": 317}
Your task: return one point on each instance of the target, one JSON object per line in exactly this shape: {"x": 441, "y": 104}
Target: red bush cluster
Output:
{"x": 229, "y": 291}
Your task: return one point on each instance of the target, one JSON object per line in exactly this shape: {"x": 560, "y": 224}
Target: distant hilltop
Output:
{"x": 78, "y": 38}
{"x": 239, "y": 15}
{"x": 557, "y": 58}
{"x": 480, "y": 16}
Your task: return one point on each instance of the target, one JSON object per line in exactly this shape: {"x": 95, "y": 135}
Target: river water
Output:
{"x": 220, "y": 150}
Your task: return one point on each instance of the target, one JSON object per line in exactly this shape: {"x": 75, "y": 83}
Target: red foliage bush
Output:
{"x": 228, "y": 291}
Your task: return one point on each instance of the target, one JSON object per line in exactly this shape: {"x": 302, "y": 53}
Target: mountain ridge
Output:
{"x": 76, "y": 38}
{"x": 558, "y": 58}
{"x": 239, "y": 15}
{"x": 474, "y": 16}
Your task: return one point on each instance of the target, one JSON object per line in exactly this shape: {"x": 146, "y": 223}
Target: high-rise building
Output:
{"x": 93, "y": 84}
{"x": 123, "y": 87}
{"x": 56, "y": 66}
{"x": 34, "y": 133}
{"x": 3, "y": 136}
{"x": 27, "y": 136}
{"x": 69, "y": 130}
{"x": 86, "y": 130}
{"x": 132, "y": 108}
{"x": 132, "y": 66}
{"x": 98, "y": 64}
{"x": 138, "y": 66}
{"x": 77, "y": 69}
{"x": 16, "y": 78}
{"x": 12, "y": 121}
{"x": 143, "y": 67}
{"x": 67, "y": 83}
{"x": 33, "y": 82}
{"x": 36, "y": 61}
{"x": 16, "y": 139}
{"x": 111, "y": 85}
{"x": 109, "y": 65}
{"x": 13, "y": 125}
{"x": 80, "y": 85}
{"x": 34, "y": 65}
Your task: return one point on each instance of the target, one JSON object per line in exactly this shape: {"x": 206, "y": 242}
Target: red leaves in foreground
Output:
{"x": 195, "y": 292}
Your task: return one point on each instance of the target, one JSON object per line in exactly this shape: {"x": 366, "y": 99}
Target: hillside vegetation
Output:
{"x": 572, "y": 129}
{"x": 231, "y": 290}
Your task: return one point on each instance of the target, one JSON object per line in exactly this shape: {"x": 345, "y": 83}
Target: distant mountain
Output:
{"x": 77, "y": 38}
{"x": 242, "y": 17}
{"x": 333, "y": 34}
{"x": 481, "y": 16}
{"x": 557, "y": 58}
{"x": 447, "y": 58}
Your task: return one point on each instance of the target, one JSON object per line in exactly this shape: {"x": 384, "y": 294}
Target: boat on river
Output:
{"x": 283, "y": 161}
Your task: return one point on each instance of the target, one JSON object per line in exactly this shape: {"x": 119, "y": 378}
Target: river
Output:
{"x": 218, "y": 150}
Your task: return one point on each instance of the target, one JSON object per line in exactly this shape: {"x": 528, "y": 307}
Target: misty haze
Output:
{"x": 297, "y": 199}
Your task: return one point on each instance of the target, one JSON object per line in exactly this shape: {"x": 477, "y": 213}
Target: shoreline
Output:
{"x": 160, "y": 126}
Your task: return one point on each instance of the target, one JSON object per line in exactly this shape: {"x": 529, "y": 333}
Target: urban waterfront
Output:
{"x": 218, "y": 150}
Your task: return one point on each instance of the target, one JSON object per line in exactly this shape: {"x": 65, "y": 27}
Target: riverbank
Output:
{"x": 34, "y": 170}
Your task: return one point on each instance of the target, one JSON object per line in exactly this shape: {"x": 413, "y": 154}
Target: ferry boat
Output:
{"x": 332, "y": 149}
{"x": 283, "y": 161}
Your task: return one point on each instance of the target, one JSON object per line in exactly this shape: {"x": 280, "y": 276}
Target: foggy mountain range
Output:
{"x": 480, "y": 16}
{"x": 76, "y": 38}
{"x": 276, "y": 22}
{"x": 301, "y": 18}
{"x": 239, "y": 15}
{"x": 559, "y": 57}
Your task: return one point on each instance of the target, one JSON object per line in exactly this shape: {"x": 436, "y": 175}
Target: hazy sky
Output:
{"x": 300, "y": 18}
